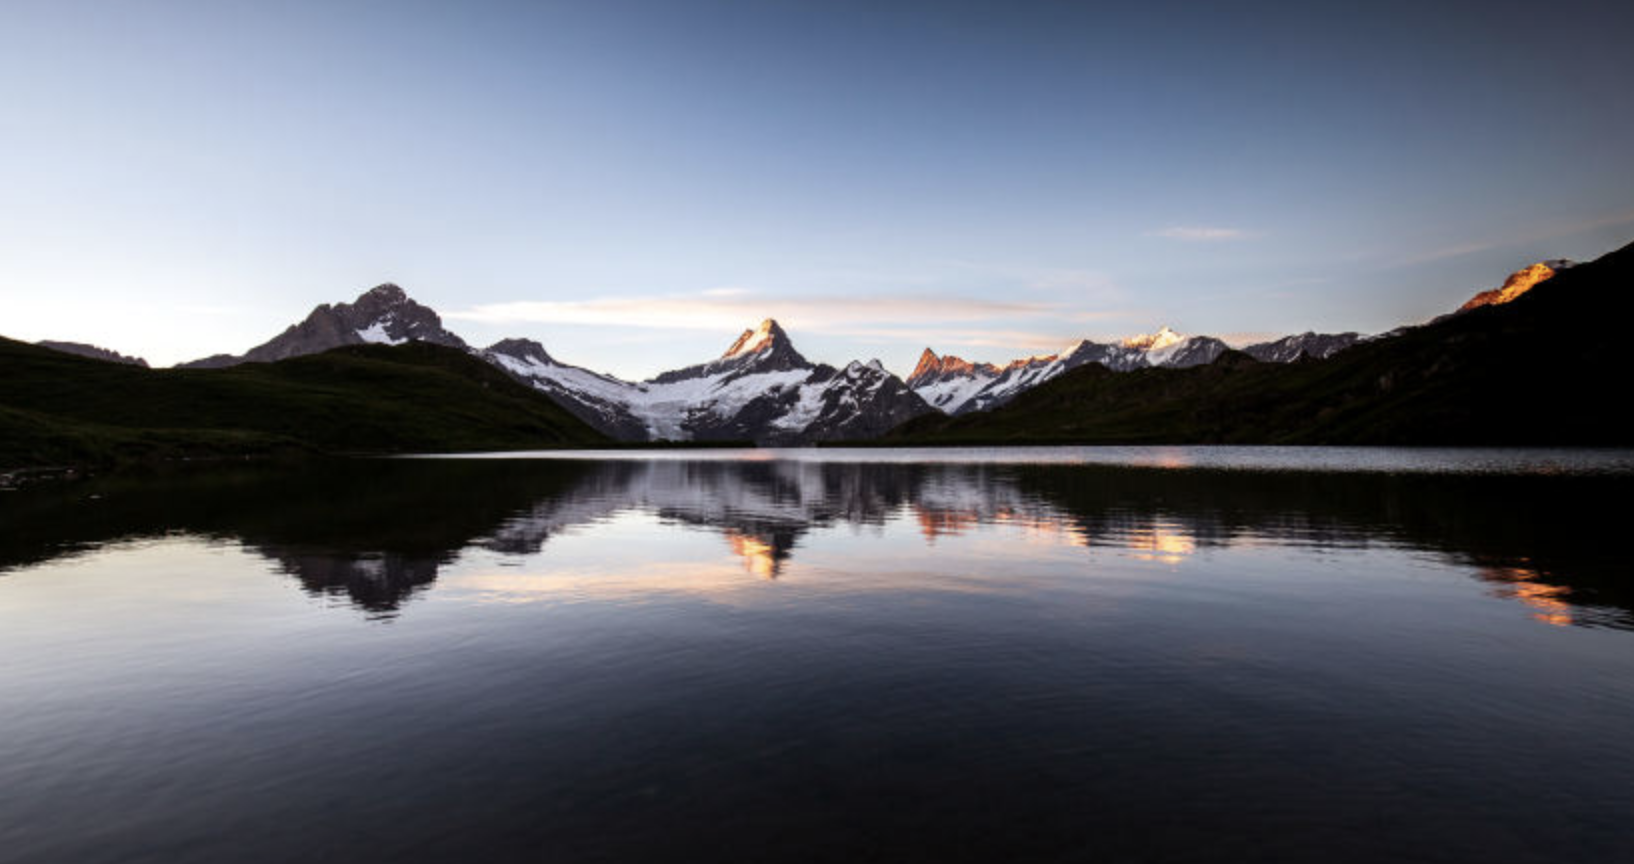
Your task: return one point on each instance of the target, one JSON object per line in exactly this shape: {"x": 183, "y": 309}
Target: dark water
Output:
{"x": 751, "y": 658}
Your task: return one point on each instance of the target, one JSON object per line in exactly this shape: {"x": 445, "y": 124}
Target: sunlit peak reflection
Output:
{"x": 1169, "y": 544}
{"x": 1524, "y": 584}
{"x": 937, "y": 522}
{"x": 934, "y": 523}
{"x": 1044, "y": 529}
{"x": 760, "y": 557}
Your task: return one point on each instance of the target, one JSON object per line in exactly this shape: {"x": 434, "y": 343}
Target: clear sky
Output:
{"x": 633, "y": 183}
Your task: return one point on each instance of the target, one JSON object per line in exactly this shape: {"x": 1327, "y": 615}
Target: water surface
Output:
{"x": 814, "y": 655}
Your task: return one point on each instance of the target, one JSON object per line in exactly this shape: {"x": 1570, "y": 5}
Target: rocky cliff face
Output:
{"x": 383, "y": 314}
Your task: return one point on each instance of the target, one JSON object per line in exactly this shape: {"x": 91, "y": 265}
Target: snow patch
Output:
{"x": 375, "y": 334}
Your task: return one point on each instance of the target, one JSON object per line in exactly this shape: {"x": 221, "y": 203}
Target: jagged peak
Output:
{"x": 932, "y": 368}
{"x": 761, "y": 339}
{"x": 858, "y": 367}
{"x": 929, "y": 364}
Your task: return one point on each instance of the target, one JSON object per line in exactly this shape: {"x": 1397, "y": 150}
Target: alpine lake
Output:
{"x": 1051, "y": 654}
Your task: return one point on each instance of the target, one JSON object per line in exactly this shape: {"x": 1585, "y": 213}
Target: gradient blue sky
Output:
{"x": 634, "y": 183}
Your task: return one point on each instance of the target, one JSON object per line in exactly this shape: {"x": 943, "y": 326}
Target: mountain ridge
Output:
{"x": 761, "y": 388}
{"x": 1515, "y": 373}
{"x": 94, "y": 352}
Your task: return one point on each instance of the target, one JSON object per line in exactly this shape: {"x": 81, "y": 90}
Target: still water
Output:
{"x": 1150, "y": 654}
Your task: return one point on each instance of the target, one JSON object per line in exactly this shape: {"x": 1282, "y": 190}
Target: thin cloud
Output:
{"x": 717, "y": 310}
{"x": 1200, "y": 233}
{"x": 1252, "y": 337}
{"x": 1550, "y": 232}
{"x": 941, "y": 340}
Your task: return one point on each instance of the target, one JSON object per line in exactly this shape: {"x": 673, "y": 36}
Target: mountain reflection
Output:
{"x": 377, "y": 582}
{"x": 376, "y": 533}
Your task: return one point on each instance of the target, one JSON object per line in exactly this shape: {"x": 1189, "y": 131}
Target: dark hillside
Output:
{"x": 56, "y": 408}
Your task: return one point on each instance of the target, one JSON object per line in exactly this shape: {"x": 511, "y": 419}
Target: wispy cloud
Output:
{"x": 728, "y": 309}
{"x": 959, "y": 338}
{"x": 1249, "y": 337}
{"x": 1200, "y": 233}
{"x": 1545, "y": 232}
{"x": 978, "y": 328}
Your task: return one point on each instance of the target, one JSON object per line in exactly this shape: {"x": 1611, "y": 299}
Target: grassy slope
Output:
{"x": 1545, "y": 369}
{"x": 57, "y": 408}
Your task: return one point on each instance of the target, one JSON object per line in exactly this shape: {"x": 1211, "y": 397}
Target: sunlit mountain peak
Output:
{"x": 1518, "y": 283}
{"x": 1163, "y": 338}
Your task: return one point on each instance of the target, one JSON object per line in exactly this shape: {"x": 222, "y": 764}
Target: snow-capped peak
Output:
{"x": 762, "y": 338}
{"x": 1163, "y": 338}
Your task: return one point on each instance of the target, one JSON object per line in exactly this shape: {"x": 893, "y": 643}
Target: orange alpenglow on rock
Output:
{"x": 1518, "y": 283}
{"x": 933, "y": 368}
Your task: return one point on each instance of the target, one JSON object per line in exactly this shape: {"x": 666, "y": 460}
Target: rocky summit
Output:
{"x": 382, "y": 315}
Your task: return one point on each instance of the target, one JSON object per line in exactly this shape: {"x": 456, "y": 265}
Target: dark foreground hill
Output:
{"x": 58, "y": 409}
{"x": 1549, "y": 368}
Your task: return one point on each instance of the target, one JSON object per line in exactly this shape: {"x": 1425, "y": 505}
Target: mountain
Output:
{"x": 1518, "y": 283}
{"x": 956, "y": 386}
{"x": 1522, "y": 372}
{"x": 1316, "y": 346}
{"x": 948, "y": 382}
{"x": 95, "y": 353}
{"x": 59, "y": 409}
{"x": 600, "y": 400}
{"x": 761, "y": 389}
{"x": 383, "y": 315}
